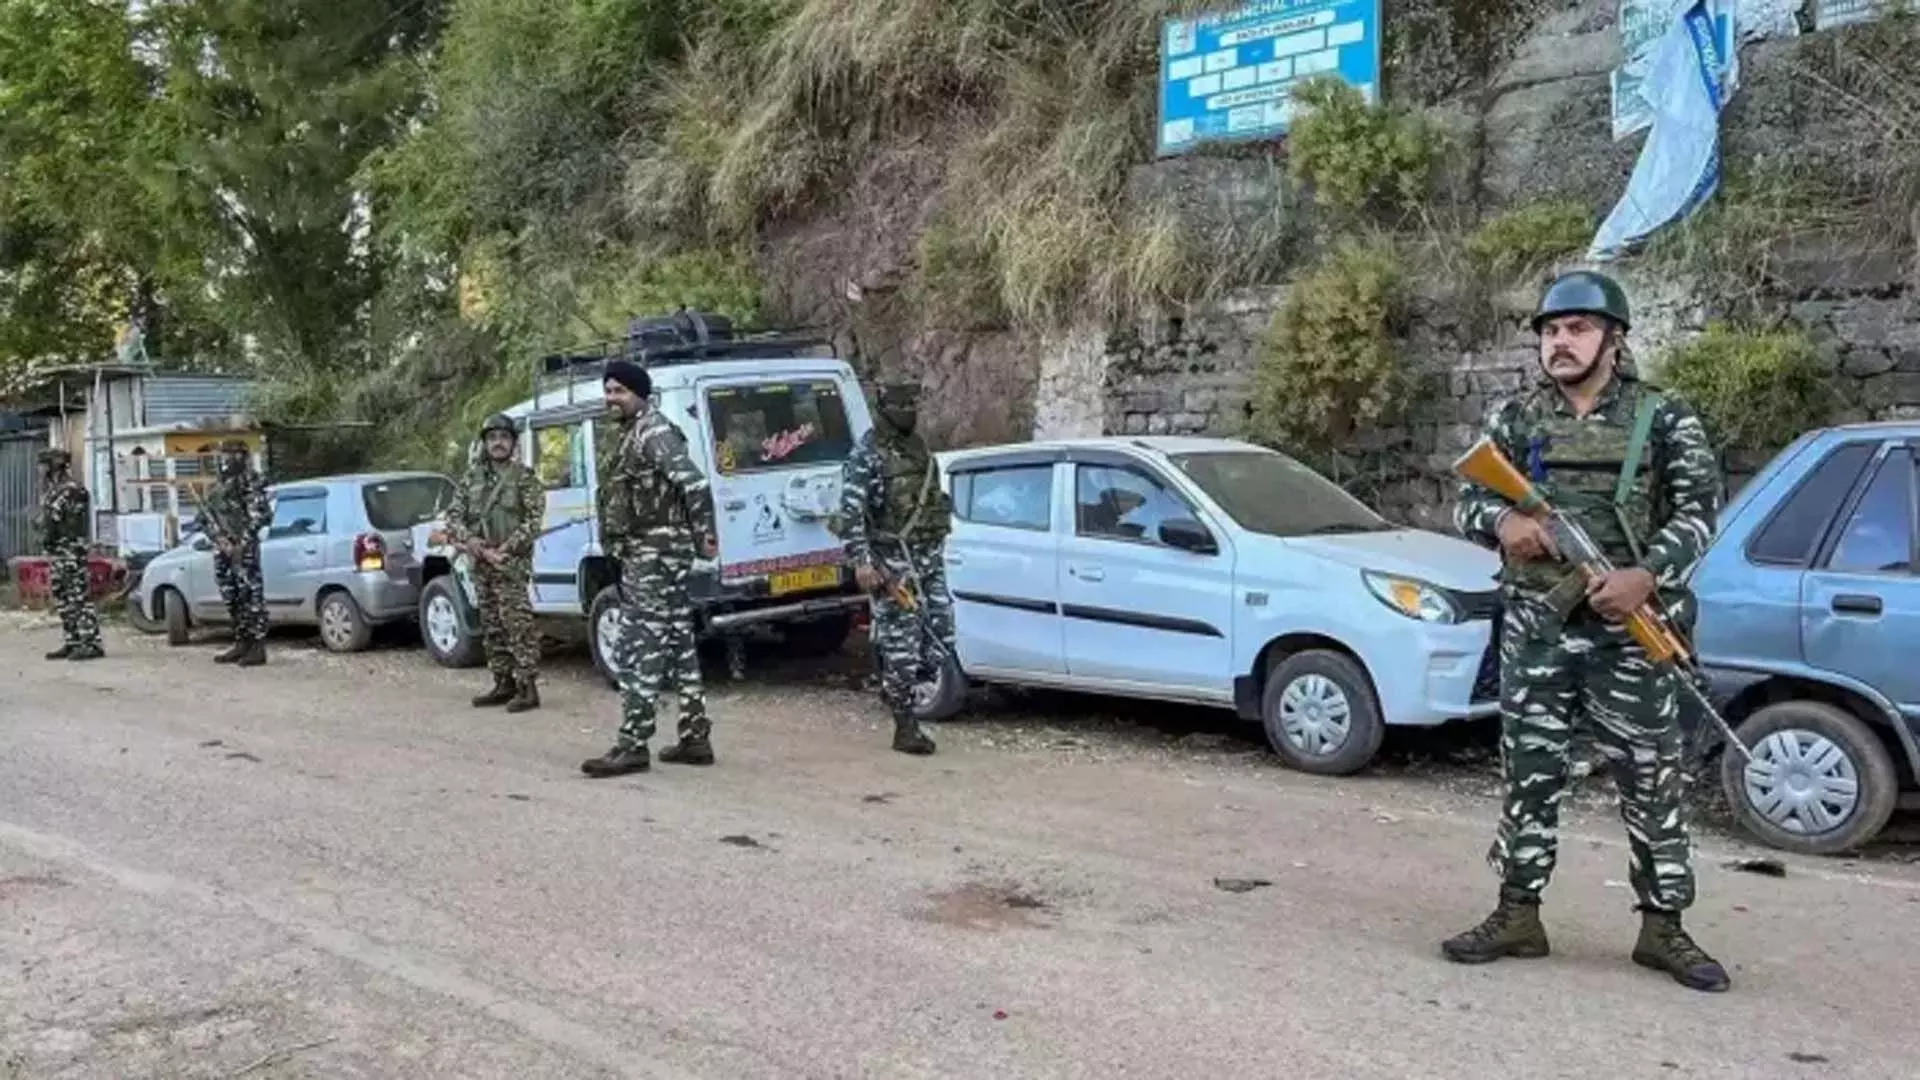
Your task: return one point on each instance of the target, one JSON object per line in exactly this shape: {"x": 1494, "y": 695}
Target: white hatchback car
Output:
{"x": 1217, "y": 572}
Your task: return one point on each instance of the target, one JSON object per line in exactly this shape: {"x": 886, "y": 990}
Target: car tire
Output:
{"x": 1321, "y": 714}
{"x": 343, "y": 627}
{"x": 603, "y": 617}
{"x": 944, "y": 696}
{"x": 173, "y": 612}
{"x": 818, "y": 638}
{"x": 137, "y": 615}
{"x": 441, "y": 632}
{"x": 1799, "y": 738}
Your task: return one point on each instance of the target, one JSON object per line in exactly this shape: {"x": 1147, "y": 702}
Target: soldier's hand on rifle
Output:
{"x": 1523, "y": 537}
{"x": 869, "y": 577}
{"x": 1618, "y": 593}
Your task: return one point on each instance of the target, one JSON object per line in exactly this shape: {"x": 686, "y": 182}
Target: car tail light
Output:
{"x": 369, "y": 552}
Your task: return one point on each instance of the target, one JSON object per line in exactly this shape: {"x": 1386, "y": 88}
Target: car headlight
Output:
{"x": 1412, "y": 597}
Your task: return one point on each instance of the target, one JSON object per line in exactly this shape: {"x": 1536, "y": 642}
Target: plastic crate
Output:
{"x": 33, "y": 578}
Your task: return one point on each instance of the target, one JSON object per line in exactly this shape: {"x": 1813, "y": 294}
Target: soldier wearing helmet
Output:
{"x": 232, "y": 515}
{"x": 1632, "y": 465}
{"x": 495, "y": 518}
{"x": 894, "y": 519}
{"x": 62, "y": 522}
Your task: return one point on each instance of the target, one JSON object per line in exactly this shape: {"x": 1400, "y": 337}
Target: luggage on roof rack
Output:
{"x": 682, "y": 328}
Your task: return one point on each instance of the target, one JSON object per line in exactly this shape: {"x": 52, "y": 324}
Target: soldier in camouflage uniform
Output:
{"x": 232, "y": 514}
{"x": 1633, "y": 467}
{"x": 495, "y": 517}
{"x": 894, "y": 520}
{"x": 64, "y": 504}
{"x": 656, "y": 514}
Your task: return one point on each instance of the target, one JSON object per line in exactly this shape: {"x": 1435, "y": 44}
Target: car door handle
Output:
{"x": 1856, "y": 604}
{"x": 736, "y": 504}
{"x": 954, "y": 558}
{"x": 310, "y": 551}
{"x": 1089, "y": 573}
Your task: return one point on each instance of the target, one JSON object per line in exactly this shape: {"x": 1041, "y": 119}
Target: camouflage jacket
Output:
{"x": 649, "y": 482}
{"x": 1576, "y": 463}
{"x": 884, "y": 487}
{"x": 501, "y": 506}
{"x": 63, "y": 513}
{"x": 235, "y": 508}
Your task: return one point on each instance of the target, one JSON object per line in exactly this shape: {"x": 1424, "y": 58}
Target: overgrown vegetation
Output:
{"x": 1328, "y": 367}
{"x": 1526, "y": 238}
{"x": 1357, "y": 157}
{"x": 1756, "y": 390}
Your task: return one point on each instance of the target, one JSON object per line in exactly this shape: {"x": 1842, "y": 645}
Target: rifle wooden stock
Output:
{"x": 1484, "y": 464}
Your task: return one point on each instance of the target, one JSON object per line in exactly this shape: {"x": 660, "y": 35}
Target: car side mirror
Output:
{"x": 1188, "y": 535}
{"x": 200, "y": 542}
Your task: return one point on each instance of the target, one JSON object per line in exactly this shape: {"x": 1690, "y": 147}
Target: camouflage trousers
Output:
{"x": 240, "y": 587}
{"x": 506, "y": 619}
{"x": 907, "y": 645}
{"x": 657, "y": 643}
{"x": 1589, "y": 677}
{"x": 79, "y": 622}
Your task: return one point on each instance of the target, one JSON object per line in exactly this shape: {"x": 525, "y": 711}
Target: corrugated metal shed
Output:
{"x": 178, "y": 399}
{"x": 19, "y": 492}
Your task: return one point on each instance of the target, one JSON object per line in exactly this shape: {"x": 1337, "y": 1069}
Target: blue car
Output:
{"x": 1809, "y": 616}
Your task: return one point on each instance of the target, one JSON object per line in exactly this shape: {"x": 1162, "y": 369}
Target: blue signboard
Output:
{"x": 1230, "y": 75}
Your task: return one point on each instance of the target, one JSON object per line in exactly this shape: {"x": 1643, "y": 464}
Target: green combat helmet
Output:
{"x": 1583, "y": 292}
{"x": 54, "y": 458}
{"x": 497, "y": 422}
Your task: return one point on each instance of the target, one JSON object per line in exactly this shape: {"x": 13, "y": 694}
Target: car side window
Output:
{"x": 560, "y": 456}
{"x": 1019, "y": 497}
{"x": 1122, "y": 504}
{"x": 1878, "y": 538}
{"x": 1790, "y": 536}
{"x": 300, "y": 513}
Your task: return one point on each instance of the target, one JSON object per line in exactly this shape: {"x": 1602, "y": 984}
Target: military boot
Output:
{"x": 618, "y": 761}
{"x": 526, "y": 697}
{"x": 908, "y": 738}
{"x": 1513, "y": 929}
{"x": 1665, "y": 946}
{"x": 86, "y": 652}
{"x": 60, "y": 653}
{"x": 503, "y": 691}
{"x": 234, "y": 652}
{"x": 253, "y": 655}
{"x": 690, "y": 750}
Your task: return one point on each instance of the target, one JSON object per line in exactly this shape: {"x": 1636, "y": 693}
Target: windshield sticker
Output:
{"x": 777, "y": 447}
{"x": 727, "y": 461}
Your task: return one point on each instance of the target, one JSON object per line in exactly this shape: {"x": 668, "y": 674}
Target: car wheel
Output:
{"x": 1821, "y": 782}
{"x": 818, "y": 637}
{"x": 441, "y": 631}
{"x": 1320, "y": 713}
{"x": 343, "y": 628}
{"x": 943, "y": 695}
{"x": 173, "y": 611}
{"x": 603, "y": 631}
{"x": 137, "y": 616}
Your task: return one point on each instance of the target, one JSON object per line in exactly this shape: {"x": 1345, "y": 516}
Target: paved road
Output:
{"x": 331, "y": 867}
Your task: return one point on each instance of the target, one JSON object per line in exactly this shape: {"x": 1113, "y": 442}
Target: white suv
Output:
{"x": 769, "y": 420}
{"x": 1216, "y": 572}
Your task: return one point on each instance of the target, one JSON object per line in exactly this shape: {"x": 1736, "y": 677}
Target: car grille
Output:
{"x": 1477, "y": 605}
{"x": 1486, "y": 682}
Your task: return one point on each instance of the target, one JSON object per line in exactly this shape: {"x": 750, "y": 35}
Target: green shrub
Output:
{"x": 1755, "y": 391}
{"x": 1526, "y": 237}
{"x": 1328, "y": 367}
{"x": 1357, "y": 156}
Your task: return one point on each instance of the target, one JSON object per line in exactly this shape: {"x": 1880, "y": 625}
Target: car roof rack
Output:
{"x": 684, "y": 337}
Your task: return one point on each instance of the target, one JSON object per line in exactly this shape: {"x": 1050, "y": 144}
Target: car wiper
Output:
{"x": 1347, "y": 527}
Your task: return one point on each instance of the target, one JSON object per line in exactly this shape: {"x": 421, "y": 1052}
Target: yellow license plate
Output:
{"x": 813, "y": 577}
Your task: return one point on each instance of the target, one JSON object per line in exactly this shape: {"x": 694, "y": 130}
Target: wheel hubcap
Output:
{"x": 1315, "y": 716}
{"x": 609, "y": 636}
{"x": 335, "y": 626}
{"x": 443, "y": 626}
{"x": 1802, "y": 782}
{"x": 926, "y": 692}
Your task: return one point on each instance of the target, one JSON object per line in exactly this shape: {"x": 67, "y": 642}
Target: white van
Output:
{"x": 770, "y": 419}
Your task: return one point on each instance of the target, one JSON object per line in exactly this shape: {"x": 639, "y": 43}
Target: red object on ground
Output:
{"x": 33, "y": 578}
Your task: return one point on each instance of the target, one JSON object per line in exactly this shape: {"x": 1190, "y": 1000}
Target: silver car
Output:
{"x": 335, "y": 556}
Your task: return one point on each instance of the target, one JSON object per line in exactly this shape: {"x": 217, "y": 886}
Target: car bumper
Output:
{"x": 1429, "y": 674}
{"x": 383, "y": 598}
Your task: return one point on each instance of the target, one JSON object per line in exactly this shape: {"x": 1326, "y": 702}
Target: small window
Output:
{"x": 767, "y": 426}
{"x": 1790, "y": 536}
{"x": 1122, "y": 504}
{"x": 1879, "y": 536}
{"x": 1014, "y": 498}
{"x": 302, "y": 513}
{"x": 560, "y": 456}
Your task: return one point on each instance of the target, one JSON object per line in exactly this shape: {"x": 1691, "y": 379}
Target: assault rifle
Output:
{"x": 905, "y": 589}
{"x": 1648, "y": 625}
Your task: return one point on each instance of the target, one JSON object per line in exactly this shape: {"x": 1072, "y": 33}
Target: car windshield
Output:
{"x": 1271, "y": 493}
{"x": 404, "y": 503}
{"x": 763, "y": 426}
